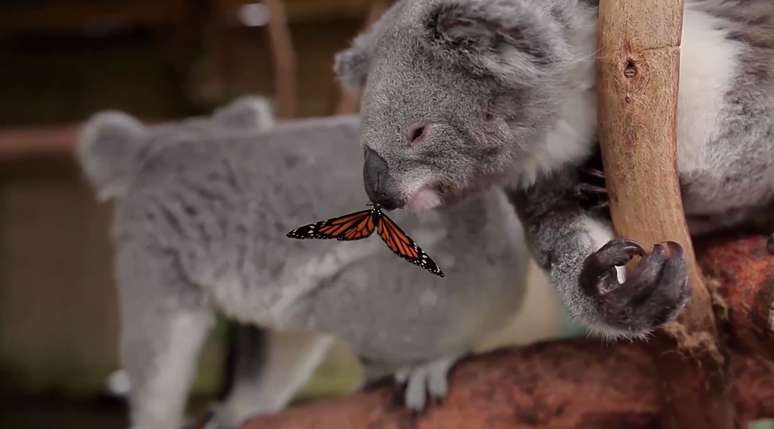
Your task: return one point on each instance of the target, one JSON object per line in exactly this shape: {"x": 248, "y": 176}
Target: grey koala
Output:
{"x": 460, "y": 95}
{"x": 201, "y": 212}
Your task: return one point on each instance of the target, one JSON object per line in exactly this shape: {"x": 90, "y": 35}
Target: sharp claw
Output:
{"x": 592, "y": 189}
{"x": 594, "y": 172}
{"x": 675, "y": 249}
{"x": 653, "y": 294}
{"x": 630, "y": 247}
{"x": 659, "y": 251}
{"x": 600, "y": 265}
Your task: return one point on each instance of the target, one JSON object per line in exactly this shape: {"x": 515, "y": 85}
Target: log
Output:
{"x": 19, "y": 143}
{"x": 285, "y": 62}
{"x": 741, "y": 275}
{"x": 581, "y": 383}
{"x": 639, "y": 48}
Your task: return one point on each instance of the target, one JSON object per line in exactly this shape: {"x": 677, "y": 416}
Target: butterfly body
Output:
{"x": 360, "y": 225}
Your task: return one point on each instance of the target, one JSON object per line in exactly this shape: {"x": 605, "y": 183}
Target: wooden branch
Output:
{"x": 17, "y": 143}
{"x": 568, "y": 385}
{"x": 741, "y": 275}
{"x": 350, "y": 103}
{"x": 581, "y": 383}
{"x": 284, "y": 60}
{"x": 638, "y": 82}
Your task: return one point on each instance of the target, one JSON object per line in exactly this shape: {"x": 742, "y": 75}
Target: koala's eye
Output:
{"x": 417, "y": 133}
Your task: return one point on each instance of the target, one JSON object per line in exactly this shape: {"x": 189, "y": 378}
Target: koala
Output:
{"x": 460, "y": 96}
{"x": 201, "y": 212}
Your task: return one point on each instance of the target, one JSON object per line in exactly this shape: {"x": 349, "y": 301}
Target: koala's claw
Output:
{"x": 587, "y": 188}
{"x": 594, "y": 172}
{"x": 429, "y": 380}
{"x": 653, "y": 294}
{"x": 592, "y": 191}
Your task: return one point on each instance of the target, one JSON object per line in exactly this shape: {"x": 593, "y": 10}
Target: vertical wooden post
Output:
{"x": 349, "y": 103}
{"x": 284, "y": 60}
{"x": 638, "y": 77}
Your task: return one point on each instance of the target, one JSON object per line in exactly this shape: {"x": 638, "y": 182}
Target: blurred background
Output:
{"x": 63, "y": 60}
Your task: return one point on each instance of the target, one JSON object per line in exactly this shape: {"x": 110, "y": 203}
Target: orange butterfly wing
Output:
{"x": 359, "y": 225}
{"x": 354, "y": 226}
{"x": 403, "y": 246}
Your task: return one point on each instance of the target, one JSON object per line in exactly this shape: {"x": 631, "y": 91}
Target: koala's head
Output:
{"x": 455, "y": 93}
{"x": 113, "y": 144}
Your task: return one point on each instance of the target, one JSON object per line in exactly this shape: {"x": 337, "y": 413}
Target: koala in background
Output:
{"x": 460, "y": 95}
{"x": 201, "y": 212}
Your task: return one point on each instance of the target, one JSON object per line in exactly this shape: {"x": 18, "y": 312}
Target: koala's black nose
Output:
{"x": 379, "y": 184}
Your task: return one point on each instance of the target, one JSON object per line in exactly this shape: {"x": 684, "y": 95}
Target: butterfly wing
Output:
{"x": 354, "y": 226}
{"x": 403, "y": 246}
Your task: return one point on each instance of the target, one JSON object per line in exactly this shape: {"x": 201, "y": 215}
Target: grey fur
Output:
{"x": 200, "y": 227}
{"x": 505, "y": 91}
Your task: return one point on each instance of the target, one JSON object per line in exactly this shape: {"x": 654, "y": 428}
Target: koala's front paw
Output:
{"x": 652, "y": 295}
{"x": 423, "y": 381}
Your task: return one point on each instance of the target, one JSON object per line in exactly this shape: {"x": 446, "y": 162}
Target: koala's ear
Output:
{"x": 463, "y": 24}
{"x": 351, "y": 66}
{"x": 109, "y": 151}
{"x": 248, "y": 112}
{"x": 506, "y": 38}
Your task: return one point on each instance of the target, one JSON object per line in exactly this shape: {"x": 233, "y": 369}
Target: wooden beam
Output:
{"x": 19, "y": 143}
{"x": 639, "y": 48}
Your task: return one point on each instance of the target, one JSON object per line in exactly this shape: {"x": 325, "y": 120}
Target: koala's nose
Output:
{"x": 380, "y": 186}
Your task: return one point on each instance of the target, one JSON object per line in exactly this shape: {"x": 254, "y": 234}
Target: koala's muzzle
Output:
{"x": 379, "y": 184}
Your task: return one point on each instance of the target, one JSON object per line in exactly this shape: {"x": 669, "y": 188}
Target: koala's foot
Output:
{"x": 652, "y": 295}
{"x": 429, "y": 380}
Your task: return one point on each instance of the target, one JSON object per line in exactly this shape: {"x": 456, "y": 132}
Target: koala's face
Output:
{"x": 454, "y": 93}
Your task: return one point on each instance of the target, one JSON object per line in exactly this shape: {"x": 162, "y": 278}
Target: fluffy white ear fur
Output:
{"x": 351, "y": 66}
{"x": 109, "y": 146}
{"x": 501, "y": 37}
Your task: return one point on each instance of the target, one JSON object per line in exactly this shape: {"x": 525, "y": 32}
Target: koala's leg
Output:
{"x": 568, "y": 244}
{"x": 164, "y": 324}
{"x": 429, "y": 380}
{"x": 271, "y": 368}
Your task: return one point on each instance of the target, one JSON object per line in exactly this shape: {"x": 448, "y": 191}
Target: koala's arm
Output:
{"x": 581, "y": 257}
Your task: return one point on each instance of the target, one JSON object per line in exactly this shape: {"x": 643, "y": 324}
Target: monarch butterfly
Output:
{"x": 360, "y": 225}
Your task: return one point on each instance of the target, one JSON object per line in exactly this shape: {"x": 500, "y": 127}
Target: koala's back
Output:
{"x": 223, "y": 200}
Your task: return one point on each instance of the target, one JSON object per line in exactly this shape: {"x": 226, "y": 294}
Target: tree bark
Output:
{"x": 741, "y": 275}
{"x": 568, "y": 385}
{"x": 638, "y": 85}
{"x": 583, "y": 383}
